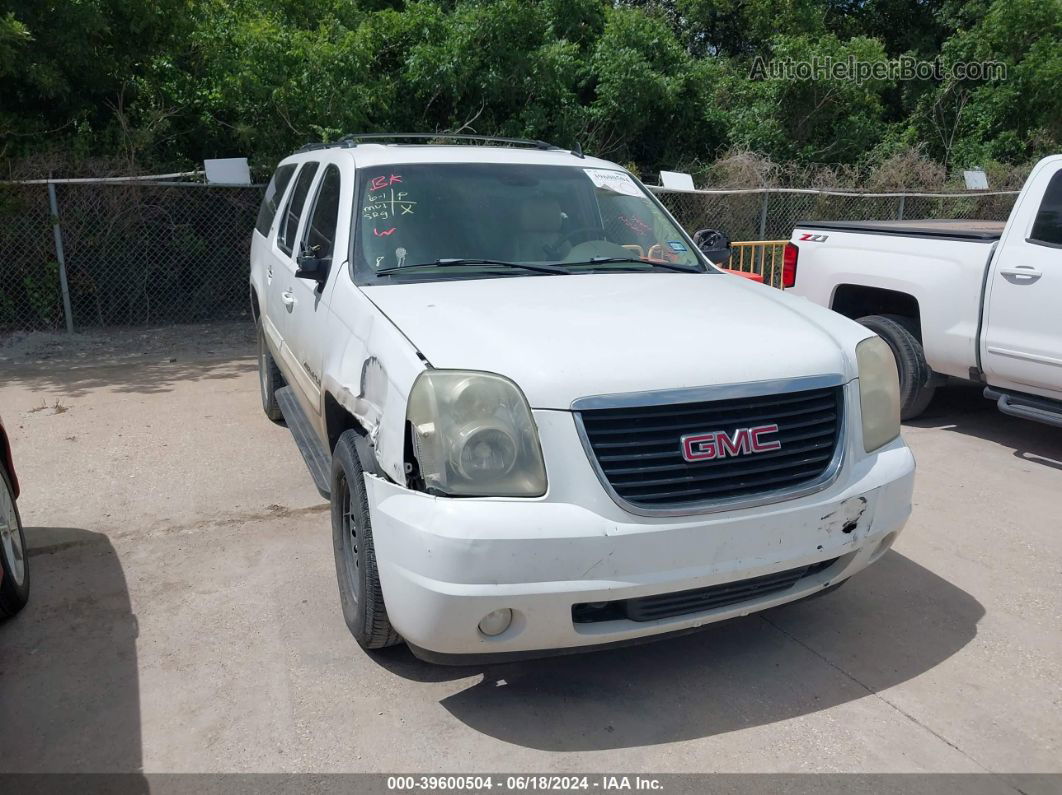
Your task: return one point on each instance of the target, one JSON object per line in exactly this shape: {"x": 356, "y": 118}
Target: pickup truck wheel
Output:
{"x": 14, "y": 587}
{"x": 269, "y": 377}
{"x": 916, "y": 378}
{"x": 359, "y": 580}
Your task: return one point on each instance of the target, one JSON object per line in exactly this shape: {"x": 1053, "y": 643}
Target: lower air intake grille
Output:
{"x": 667, "y": 605}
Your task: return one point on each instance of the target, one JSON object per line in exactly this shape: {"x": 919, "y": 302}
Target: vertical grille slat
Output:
{"x": 638, "y": 449}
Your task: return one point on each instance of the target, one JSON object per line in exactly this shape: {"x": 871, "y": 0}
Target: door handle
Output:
{"x": 288, "y": 298}
{"x": 1028, "y": 271}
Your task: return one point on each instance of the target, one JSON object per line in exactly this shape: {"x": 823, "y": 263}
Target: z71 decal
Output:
{"x": 814, "y": 238}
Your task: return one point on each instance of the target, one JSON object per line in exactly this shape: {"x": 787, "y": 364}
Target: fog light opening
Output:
{"x": 883, "y": 546}
{"x": 496, "y": 622}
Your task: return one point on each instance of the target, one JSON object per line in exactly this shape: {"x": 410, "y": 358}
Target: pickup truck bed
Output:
{"x": 968, "y": 299}
{"x": 986, "y": 231}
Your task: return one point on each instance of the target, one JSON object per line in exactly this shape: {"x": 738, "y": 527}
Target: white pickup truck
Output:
{"x": 545, "y": 421}
{"x": 976, "y": 300}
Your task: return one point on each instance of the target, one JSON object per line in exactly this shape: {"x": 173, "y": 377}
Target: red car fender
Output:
{"x": 5, "y": 459}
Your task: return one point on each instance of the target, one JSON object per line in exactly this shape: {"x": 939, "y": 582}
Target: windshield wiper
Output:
{"x": 652, "y": 264}
{"x": 450, "y": 263}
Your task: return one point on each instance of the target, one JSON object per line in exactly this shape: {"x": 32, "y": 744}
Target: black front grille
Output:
{"x": 666, "y": 605}
{"x": 639, "y": 449}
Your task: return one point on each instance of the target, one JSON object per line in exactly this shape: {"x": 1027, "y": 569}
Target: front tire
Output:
{"x": 14, "y": 587}
{"x": 269, "y": 377}
{"x": 359, "y": 580}
{"x": 916, "y": 378}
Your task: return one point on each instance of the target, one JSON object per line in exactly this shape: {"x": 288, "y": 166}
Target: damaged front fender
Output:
{"x": 356, "y": 377}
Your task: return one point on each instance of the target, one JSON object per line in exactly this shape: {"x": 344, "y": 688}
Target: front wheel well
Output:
{"x": 337, "y": 420}
{"x": 256, "y": 309}
{"x": 856, "y": 300}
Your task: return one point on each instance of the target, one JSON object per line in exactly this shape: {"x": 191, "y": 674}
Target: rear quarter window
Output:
{"x": 289, "y": 223}
{"x": 1047, "y": 228}
{"x": 273, "y": 193}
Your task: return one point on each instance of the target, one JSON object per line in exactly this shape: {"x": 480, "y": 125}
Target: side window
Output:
{"x": 320, "y": 236}
{"x": 273, "y": 193}
{"x": 289, "y": 224}
{"x": 1047, "y": 228}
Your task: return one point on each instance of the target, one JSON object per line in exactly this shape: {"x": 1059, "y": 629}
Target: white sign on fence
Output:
{"x": 976, "y": 179}
{"x": 677, "y": 180}
{"x": 228, "y": 171}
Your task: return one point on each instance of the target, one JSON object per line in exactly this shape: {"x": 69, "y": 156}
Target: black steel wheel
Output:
{"x": 360, "y": 593}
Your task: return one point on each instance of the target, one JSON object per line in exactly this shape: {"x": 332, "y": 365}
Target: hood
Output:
{"x": 561, "y": 338}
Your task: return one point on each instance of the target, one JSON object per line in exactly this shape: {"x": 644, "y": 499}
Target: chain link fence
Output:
{"x": 770, "y": 215}
{"x": 766, "y": 214}
{"x": 153, "y": 253}
{"x": 131, "y": 253}
{"x": 30, "y": 296}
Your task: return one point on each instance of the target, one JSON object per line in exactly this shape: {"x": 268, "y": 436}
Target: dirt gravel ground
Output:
{"x": 185, "y": 616}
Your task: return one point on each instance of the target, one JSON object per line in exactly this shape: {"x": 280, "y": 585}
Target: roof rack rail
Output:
{"x": 349, "y": 141}
{"x": 355, "y": 139}
{"x": 316, "y": 145}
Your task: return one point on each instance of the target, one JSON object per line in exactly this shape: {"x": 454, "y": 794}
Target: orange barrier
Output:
{"x": 759, "y": 260}
{"x": 752, "y": 277}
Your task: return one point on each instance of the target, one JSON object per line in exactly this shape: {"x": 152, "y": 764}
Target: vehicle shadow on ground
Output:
{"x": 961, "y": 408}
{"x": 137, "y": 378}
{"x": 69, "y": 690}
{"x": 891, "y": 623}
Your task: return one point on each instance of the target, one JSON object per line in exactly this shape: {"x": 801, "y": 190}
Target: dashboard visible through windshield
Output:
{"x": 473, "y": 220}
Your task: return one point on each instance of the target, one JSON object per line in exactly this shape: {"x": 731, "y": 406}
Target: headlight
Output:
{"x": 473, "y": 435}
{"x": 879, "y": 393}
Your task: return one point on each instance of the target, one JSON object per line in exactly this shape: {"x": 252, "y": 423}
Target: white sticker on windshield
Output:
{"x": 615, "y": 181}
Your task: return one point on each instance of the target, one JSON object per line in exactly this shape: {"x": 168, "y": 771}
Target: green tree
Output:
{"x": 746, "y": 27}
{"x": 1011, "y": 119}
{"x": 81, "y": 63}
{"x": 654, "y": 83}
{"x": 824, "y": 120}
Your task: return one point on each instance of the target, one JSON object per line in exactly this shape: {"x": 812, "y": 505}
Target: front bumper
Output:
{"x": 445, "y": 563}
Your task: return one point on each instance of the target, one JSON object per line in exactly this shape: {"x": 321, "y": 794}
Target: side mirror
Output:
{"x": 309, "y": 266}
{"x": 715, "y": 245}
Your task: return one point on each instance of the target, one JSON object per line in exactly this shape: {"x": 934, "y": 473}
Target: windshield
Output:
{"x": 415, "y": 220}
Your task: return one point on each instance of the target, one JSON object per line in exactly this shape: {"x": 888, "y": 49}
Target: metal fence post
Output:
{"x": 763, "y": 233}
{"x": 899, "y": 211}
{"x": 763, "y": 216}
{"x": 57, "y": 232}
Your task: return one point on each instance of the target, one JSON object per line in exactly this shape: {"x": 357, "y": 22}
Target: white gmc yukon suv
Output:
{"x": 977, "y": 300}
{"x": 545, "y": 421}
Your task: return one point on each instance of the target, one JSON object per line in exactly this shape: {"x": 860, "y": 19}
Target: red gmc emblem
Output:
{"x": 720, "y": 444}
